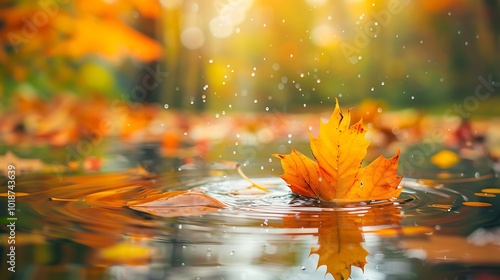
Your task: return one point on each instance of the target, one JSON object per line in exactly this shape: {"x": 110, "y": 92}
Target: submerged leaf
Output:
{"x": 336, "y": 175}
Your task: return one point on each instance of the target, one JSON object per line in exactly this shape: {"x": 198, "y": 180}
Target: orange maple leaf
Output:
{"x": 337, "y": 174}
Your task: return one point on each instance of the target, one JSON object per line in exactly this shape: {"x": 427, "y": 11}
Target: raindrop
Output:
{"x": 231, "y": 253}
{"x": 303, "y": 268}
{"x": 372, "y": 89}
{"x": 318, "y": 81}
{"x": 305, "y": 105}
{"x": 210, "y": 61}
{"x": 466, "y": 43}
{"x": 449, "y": 13}
{"x": 382, "y": 83}
{"x": 441, "y": 80}
{"x": 412, "y": 97}
{"x": 180, "y": 226}
{"x": 289, "y": 135}
{"x": 379, "y": 110}
{"x": 267, "y": 109}
{"x": 270, "y": 160}
{"x": 255, "y": 101}
{"x": 165, "y": 106}
{"x": 284, "y": 79}
{"x": 205, "y": 87}
{"x": 477, "y": 175}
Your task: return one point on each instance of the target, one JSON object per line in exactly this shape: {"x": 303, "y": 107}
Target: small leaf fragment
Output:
{"x": 336, "y": 175}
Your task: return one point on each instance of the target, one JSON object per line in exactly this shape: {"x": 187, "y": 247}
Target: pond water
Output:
{"x": 81, "y": 227}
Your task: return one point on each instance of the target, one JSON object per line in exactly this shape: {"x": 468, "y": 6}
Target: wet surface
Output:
{"x": 81, "y": 225}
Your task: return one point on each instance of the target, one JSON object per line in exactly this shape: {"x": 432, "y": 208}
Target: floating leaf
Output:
{"x": 445, "y": 159}
{"x": 177, "y": 203}
{"x": 337, "y": 175}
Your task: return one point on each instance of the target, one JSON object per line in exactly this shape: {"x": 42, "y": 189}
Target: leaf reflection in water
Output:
{"x": 340, "y": 235}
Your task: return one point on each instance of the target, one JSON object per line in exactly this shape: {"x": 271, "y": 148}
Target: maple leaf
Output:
{"x": 337, "y": 174}
{"x": 340, "y": 235}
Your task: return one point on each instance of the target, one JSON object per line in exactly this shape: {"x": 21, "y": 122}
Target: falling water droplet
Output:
{"x": 165, "y": 106}
{"x": 372, "y": 89}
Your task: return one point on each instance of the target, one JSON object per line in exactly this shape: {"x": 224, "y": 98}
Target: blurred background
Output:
{"x": 113, "y": 101}
{"x": 177, "y": 72}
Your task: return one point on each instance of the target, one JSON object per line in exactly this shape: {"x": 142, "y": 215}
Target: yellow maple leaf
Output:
{"x": 337, "y": 174}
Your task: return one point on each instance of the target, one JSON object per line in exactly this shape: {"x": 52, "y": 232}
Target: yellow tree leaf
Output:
{"x": 339, "y": 151}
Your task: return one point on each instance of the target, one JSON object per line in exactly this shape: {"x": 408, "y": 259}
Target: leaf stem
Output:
{"x": 238, "y": 168}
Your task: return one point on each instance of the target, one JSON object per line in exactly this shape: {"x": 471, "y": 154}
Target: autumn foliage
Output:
{"x": 337, "y": 174}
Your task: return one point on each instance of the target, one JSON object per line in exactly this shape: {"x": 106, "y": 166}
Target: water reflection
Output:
{"x": 83, "y": 226}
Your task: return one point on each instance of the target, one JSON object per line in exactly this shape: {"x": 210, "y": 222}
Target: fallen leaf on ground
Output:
{"x": 337, "y": 174}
